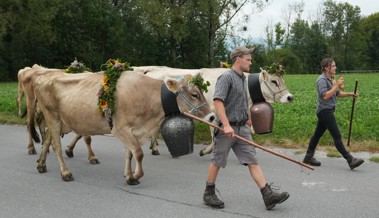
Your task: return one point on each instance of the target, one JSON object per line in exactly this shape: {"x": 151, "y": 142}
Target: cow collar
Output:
{"x": 255, "y": 88}
{"x": 169, "y": 103}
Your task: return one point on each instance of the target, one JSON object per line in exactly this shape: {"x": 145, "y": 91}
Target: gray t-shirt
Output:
{"x": 324, "y": 85}
{"x": 231, "y": 89}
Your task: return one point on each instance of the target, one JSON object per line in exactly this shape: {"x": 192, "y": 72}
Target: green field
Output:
{"x": 293, "y": 123}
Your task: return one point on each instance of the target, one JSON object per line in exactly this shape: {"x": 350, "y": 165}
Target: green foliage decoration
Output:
{"x": 275, "y": 68}
{"x": 112, "y": 71}
{"x": 198, "y": 81}
{"x": 77, "y": 67}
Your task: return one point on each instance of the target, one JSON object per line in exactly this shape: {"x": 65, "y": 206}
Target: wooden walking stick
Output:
{"x": 352, "y": 112}
{"x": 250, "y": 142}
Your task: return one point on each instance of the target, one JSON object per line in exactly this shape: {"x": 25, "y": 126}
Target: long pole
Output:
{"x": 352, "y": 112}
{"x": 250, "y": 142}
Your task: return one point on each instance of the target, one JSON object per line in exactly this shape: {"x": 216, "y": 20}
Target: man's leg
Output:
{"x": 270, "y": 197}
{"x": 210, "y": 198}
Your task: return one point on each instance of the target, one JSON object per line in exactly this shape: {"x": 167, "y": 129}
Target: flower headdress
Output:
{"x": 112, "y": 71}
{"x": 77, "y": 67}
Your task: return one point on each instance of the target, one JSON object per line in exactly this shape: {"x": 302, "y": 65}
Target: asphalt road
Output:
{"x": 173, "y": 187}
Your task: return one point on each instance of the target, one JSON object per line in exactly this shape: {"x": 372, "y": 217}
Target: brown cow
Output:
{"x": 69, "y": 103}
{"x": 26, "y": 78}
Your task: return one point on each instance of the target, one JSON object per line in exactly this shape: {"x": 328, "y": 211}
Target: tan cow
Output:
{"x": 26, "y": 78}
{"x": 69, "y": 103}
{"x": 273, "y": 88}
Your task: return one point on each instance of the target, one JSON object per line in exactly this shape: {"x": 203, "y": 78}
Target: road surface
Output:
{"x": 173, "y": 187}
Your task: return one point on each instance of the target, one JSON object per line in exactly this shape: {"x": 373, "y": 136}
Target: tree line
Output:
{"x": 179, "y": 33}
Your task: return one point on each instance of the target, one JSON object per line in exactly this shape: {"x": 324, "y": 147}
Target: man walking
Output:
{"x": 231, "y": 104}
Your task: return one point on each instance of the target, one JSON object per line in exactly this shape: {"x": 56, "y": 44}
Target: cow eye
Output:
{"x": 195, "y": 95}
{"x": 275, "y": 82}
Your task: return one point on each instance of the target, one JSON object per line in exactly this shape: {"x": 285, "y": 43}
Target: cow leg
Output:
{"x": 209, "y": 148}
{"x": 57, "y": 147}
{"x": 54, "y": 125}
{"x": 128, "y": 173}
{"x": 136, "y": 152}
{"x": 154, "y": 145}
{"x": 31, "y": 148}
{"x": 41, "y": 125}
{"x": 87, "y": 139}
{"x": 30, "y": 124}
{"x": 20, "y": 95}
{"x": 70, "y": 148}
{"x": 138, "y": 156}
{"x": 91, "y": 155}
{"x": 41, "y": 166}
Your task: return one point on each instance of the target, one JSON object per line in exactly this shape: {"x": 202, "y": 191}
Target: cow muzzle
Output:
{"x": 210, "y": 117}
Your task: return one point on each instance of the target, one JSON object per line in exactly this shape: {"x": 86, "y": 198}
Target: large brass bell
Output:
{"x": 262, "y": 117}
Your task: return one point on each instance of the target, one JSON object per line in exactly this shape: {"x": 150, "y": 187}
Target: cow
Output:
{"x": 273, "y": 89}
{"x": 26, "y": 77}
{"x": 69, "y": 103}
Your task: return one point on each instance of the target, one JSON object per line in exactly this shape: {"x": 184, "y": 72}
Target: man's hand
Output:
{"x": 228, "y": 131}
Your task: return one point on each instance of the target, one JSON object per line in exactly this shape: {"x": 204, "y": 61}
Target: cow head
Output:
{"x": 273, "y": 88}
{"x": 190, "y": 98}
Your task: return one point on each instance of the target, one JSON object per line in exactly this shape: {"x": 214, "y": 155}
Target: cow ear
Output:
{"x": 172, "y": 84}
{"x": 264, "y": 74}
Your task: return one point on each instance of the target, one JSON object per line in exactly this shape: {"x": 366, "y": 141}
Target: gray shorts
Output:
{"x": 245, "y": 152}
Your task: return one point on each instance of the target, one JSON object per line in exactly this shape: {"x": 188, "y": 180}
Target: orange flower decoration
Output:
{"x": 103, "y": 104}
{"x": 105, "y": 80}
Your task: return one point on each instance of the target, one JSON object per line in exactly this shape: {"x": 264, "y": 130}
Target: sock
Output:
{"x": 210, "y": 186}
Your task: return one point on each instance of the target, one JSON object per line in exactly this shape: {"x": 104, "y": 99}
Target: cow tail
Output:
{"x": 24, "y": 113}
{"x": 34, "y": 133}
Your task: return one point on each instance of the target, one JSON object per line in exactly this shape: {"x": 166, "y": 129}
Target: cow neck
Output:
{"x": 169, "y": 103}
{"x": 255, "y": 88}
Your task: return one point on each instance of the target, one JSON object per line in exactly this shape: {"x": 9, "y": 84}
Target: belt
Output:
{"x": 239, "y": 123}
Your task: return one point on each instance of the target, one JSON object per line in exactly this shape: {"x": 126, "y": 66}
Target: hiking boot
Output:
{"x": 309, "y": 159}
{"x": 210, "y": 198}
{"x": 272, "y": 198}
{"x": 355, "y": 162}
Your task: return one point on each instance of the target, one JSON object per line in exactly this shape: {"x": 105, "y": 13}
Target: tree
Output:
{"x": 370, "y": 28}
{"x": 297, "y": 41}
{"x": 27, "y": 33}
{"x": 340, "y": 21}
{"x": 219, "y": 14}
{"x": 279, "y": 34}
{"x": 309, "y": 44}
{"x": 289, "y": 19}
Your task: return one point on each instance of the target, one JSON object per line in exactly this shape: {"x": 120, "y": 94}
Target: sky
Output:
{"x": 273, "y": 13}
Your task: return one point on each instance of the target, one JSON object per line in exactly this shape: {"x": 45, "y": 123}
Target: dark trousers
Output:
{"x": 327, "y": 121}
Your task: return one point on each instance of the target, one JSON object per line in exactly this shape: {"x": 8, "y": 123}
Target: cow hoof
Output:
{"x": 69, "y": 153}
{"x": 156, "y": 152}
{"x": 201, "y": 153}
{"x": 68, "y": 177}
{"x": 32, "y": 151}
{"x": 132, "y": 182}
{"x": 42, "y": 169}
{"x": 94, "y": 161}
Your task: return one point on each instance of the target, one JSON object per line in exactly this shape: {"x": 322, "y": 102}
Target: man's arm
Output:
{"x": 220, "y": 111}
